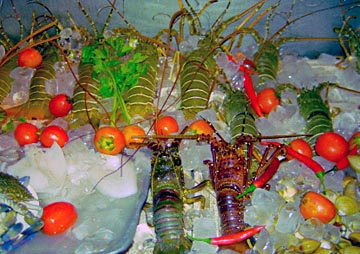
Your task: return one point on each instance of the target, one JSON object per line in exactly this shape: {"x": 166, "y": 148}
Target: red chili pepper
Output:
{"x": 309, "y": 162}
{"x": 230, "y": 58}
{"x": 264, "y": 178}
{"x": 231, "y": 238}
{"x": 344, "y": 162}
{"x": 250, "y": 91}
{"x": 246, "y": 62}
{"x": 249, "y": 63}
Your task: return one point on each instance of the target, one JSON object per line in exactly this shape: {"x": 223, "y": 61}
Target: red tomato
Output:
{"x": 201, "y": 127}
{"x": 267, "y": 100}
{"x": 109, "y": 140}
{"x": 58, "y": 217}
{"x": 52, "y": 134}
{"x": 60, "y": 105}
{"x": 354, "y": 139}
{"x": 132, "y": 130}
{"x": 29, "y": 58}
{"x": 315, "y": 205}
{"x": 166, "y": 125}
{"x": 331, "y": 146}
{"x": 26, "y": 133}
{"x": 300, "y": 146}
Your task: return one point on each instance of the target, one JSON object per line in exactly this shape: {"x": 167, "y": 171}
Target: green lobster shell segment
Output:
{"x": 239, "y": 115}
{"x": 315, "y": 112}
{"x": 85, "y": 98}
{"x": 6, "y": 80}
{"x": 139, "y": 99}
{"x": 196, "y": 82}
{"x": 267, "y": 63}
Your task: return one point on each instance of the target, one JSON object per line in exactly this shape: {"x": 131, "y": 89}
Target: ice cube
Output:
{"x": 267, "y": 200}
{"x": 289, "y": 218}
{"x": 204, "y": 227}
{"x": 112, "y": 182}
{"x": 332, "y": 233}
{"x": 264, "y": 243}
{"x": 45, "y": 166}
{"x": 312, "y": 228}
{"x": 259, "y": 216}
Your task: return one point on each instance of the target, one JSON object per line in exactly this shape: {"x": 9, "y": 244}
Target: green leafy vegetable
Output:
{"x": 117, "y": 68}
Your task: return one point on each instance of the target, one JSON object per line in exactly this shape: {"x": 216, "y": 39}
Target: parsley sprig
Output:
{"x": 117, "y": 67}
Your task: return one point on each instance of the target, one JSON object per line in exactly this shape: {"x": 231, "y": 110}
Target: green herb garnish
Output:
{"x": 117, "y": 68}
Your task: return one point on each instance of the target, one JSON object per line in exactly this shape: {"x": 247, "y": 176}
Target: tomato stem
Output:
{"x": 344, "y": 162}
{"x": 107, "y": 143}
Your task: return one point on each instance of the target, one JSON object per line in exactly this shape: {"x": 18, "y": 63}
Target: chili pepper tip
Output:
{"x": 321, "y": 175}
{"x": 206, "y": 240}
{"x": 251, "y": 188}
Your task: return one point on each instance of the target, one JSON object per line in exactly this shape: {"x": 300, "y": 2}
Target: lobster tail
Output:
{"x": 169, "y": 224}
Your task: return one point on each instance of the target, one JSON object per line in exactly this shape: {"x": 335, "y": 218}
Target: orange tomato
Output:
{"x": 300, "y": 146}
{"x": 133, "y": 130}
{"x": 315, "y": 205}
{"x": 166, "y": 125}
{"x": 331, "y": 146}
{"x": 267, "y": 100}
{"x": 58, "y": 217}
{"x": 201, "y": 127}
{"x": 29, "y": 58}
{"x": 109, "y": 140}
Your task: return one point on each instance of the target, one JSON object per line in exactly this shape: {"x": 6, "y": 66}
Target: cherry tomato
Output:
{"x": 52, "y": 134}
{"x": 58, "y": 217}
{"x": 29, "y": 58}
{"x": 133, "y": 130}
{"x": 60, "y": 105}
{"x": 300, "y": 146}
{"x": 109, "y": 140}
{"x": 331, "y": 146}
{"x": 267, "y": 100}
{"x": 26, "y": 133}
{"x": 166, "y": 125}
{"x": 315, "y": 205}
{"x": 201, "y": 127}
{"x": 354, "y": 139}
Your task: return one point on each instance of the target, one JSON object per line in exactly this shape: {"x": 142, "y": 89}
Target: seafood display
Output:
{"x": 268, "y": 139}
